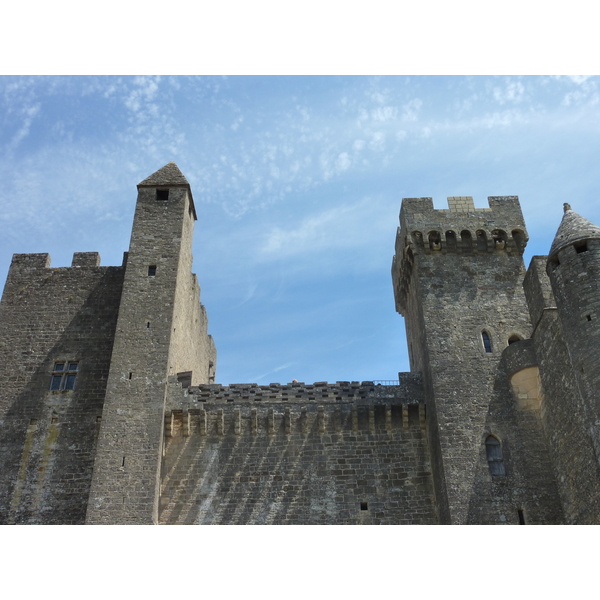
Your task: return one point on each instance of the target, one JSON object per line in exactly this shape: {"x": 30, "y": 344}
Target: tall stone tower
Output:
{"x": 573, "y": 267}
{"x": 457, "y": 277}
{"x": 160, "y": 333}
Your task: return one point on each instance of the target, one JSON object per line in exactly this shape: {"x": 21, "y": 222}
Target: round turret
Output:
{"x": 574, "y": 230}
{"x": 574, "y": 272}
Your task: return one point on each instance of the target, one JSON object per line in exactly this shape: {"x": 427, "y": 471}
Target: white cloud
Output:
{"x": 328, "y": 229}
{"x": 30, "y": 113}
{"x": 411, "y": 109}
{"x": 513, "y": 92}
{"x": 579, "y": 79}
{"x": 343, "y": 161}
{"x": 377, "y": 140}
{"x": 386, "y": 113}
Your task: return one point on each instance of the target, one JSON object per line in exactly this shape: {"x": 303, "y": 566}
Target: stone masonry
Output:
{"x": 110, "y": 414}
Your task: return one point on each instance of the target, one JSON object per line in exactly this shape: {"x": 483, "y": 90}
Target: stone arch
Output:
{"x": 466, "y": 240}
{"x": 500, "y": 238}
{"x": 527, "y": 388}
{"x": 518, "y": 236}
{"x": 417, "y": 237}
{"x": 451, "y": 241}
{"x": 481, "y": 240}
{"x": 495, "y": 458}
{"x": 435, "y": 240}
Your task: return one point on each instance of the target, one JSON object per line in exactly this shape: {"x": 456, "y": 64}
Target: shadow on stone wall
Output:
{"x": 48, "y": 438}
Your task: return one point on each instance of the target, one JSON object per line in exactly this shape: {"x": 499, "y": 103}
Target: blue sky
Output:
{"x": 298, "y": 183}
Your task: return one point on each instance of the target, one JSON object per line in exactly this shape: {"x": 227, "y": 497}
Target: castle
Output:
{"x": 110, "y": 413}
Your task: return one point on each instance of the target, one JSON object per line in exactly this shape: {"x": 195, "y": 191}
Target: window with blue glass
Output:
{"x": 64, "y": 376}
{"x": 487, "y": 341}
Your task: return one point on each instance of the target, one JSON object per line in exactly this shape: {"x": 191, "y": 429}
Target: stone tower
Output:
{"x": 160, "y": 334}
{"x": 457, "y": 277}
{"x": 573, "y": 398}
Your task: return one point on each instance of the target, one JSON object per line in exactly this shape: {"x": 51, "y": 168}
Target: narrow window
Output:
{"x": 493, "y": 451}
{"x": 589, "y": 317}
{"x": 55, "y": 382}
{"x": 521, "y": 517}
{"x": 451, "y": 241}
{"x": 162, "y": 194}
{"x": 466, "y": 240}
{"x": 64, "y": 376}
{"x": 487, "y": 342}
{"x": 364, "y": 506}
{"x": 152, "y": 271}
{"x": 481, "y": 241}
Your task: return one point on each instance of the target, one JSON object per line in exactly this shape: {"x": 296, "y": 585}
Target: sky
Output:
{"x": 297, "y": 182}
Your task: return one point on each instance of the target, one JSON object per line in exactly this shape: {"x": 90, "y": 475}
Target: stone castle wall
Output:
{"x": 48, "y": 438}
{"x": 145, "y": 436}
{"x": 564, "y": 415}
{"x": 344, "y": 453}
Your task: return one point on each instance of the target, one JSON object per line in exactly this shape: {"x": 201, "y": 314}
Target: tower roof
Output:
{"x": 169, "y": 175}
{"x": 573, "y": 228}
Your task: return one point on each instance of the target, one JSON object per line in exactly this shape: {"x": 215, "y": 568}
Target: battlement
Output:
{"x": 30, "y": 261}
{"x": 86, "y": 259}
{"x": 42, "y": 260}
{"x": 409, "y": 390}
{"x": 461, "y": 228}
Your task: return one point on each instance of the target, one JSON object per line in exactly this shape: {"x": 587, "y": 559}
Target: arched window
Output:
{"x": 493, "y": 451}
{"x": 513, "y": 338}
{"x": 487, "y": 341}
{"x": 500, "y": 238}
{"x": 520, "y": 240}
{"x": 481, "y": 241}
{"x": 435, "y": 240}
{"x": 451, "y": 241}
{"x": 466, "y": 240}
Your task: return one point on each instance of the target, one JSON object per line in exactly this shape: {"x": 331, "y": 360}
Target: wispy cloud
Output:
{"x": 326, "y": 230}
{"x": 28, "y": 113}
{"x": 287, "y": 365}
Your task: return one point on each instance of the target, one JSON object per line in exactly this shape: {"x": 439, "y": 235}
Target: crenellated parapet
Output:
{"x": 321, "y": 407}
{"x": 408, "y": 390}
{"x": 460, "y": 229}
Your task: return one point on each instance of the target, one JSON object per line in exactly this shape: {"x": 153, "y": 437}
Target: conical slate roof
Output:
{"x": 573, "y": 228}
{"x": 169, "y": 175}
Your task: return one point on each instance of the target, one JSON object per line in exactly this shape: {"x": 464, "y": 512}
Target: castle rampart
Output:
{"x": 109, "y": 410}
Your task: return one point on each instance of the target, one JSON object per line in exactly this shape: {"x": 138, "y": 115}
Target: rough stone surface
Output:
{"x": 327, "y": 454}
{"x": 573, "y": 228}
{"x": 48, "y": 438}
{"x": 497, "y": 423}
